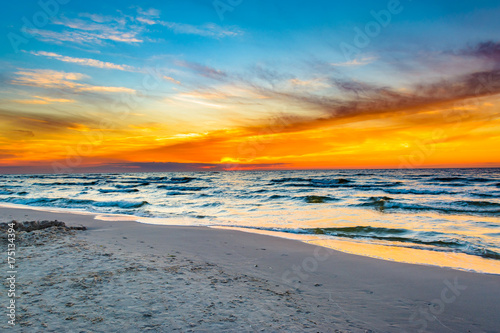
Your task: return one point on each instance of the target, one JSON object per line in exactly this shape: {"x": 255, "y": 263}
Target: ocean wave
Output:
{"x": 335, "y": 183}
{"x": 311, "y": 182}
{"x": 181, "y": 180}
{"x": 68, "y": 184}
{"x": 74, "y": 203}
{"x": 120, "y": 204}
{"x": 480, "y": 180}
{"x": 182, "y": 188}
{"x": 131, "y": 185}
{"x": 401, "y": 237}
{"x": 125, "y": 190}
{"x": 378, "y": 203}
{"x": 339, "y": 181}
{"x": 357, "y": 230}
{"x": 485, "y": 195}
{"x": 259, "y": 191}
{"x": 457, "y": 181}
{"x": 449, "y": 179}
{"x": 413, "y": 191}
{"x": 383, "y": 204}
{"x": 289, "y": 180}
{"x": 134, "y": 181}
{"x": 482, "y": 204}
{"x": 277, "y": 197}
{"x": 155, "y": 179}
{"x": 313, "y": 199}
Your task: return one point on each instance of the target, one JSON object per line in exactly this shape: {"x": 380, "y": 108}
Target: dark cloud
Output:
{"x": 347, "y": 97}
{"x": 203, "y": 70}
{"x": 138, "y": 167}
{"x": 343, "y": 97}
{"x": 33, "y": 122}
{"x": 4, "y": 156}
{"x": 488, "y": 50}
{"x": 371, "y": 99}
{"x": 22, "y": 133}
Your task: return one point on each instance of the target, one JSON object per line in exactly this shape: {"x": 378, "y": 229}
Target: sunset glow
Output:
{"x": 188, "y": 86}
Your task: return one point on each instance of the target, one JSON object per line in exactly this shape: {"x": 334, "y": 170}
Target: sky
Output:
{"x": 112, "y": 86}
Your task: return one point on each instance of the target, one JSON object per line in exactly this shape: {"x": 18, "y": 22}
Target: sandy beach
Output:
{"x": 128, "y": 276}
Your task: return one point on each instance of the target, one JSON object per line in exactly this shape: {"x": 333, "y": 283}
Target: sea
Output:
{"x": 442, "y": 217}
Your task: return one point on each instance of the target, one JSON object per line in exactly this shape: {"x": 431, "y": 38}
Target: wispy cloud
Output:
{"x": 150, "y": 17}
{"x": 83, "y": 37}
{"x": 96, "y": 29}
{"x": 355, "y": 62}
{"x": 317, "y": 83}
{"x": 206, "y": 30}
{"x": 342, "y": 98}
{"x": 85, "y": 61}
{"x": 487, "y": 50}
{"x": 151, "y": 12}
{"x": 106, "y": 89}
{"x": 203, "y": 70}
{"x": 41, "y": 122}
{"x": 198, "y": 100}
{"x": 51, "y": 79}
{"x": 91, "y": 29}
{"x": 43, "y": 100}
{"x": 171, "y": 79}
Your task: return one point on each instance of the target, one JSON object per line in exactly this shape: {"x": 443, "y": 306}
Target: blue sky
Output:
{"x": 253, "y": 31}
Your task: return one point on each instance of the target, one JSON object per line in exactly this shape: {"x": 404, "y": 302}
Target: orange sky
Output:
{"x": 444, "y": 135}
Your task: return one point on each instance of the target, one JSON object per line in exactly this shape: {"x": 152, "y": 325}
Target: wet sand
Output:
{"x": 124, "y": 275}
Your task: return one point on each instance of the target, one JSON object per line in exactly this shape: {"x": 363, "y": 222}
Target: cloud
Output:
{"x": 146, "y": 20}
{"x": 97, "y": 17}
{"x": 150, "y": 17}
{"x": 203, "y": 70}
{"x": 355, "y": 62}
{"x": 43, "y": 100}
{"x": 26, "y": 122}
{"x": 82, "y": 38}
{"x": 52, "y": 79}
{"x": 85, "y": 61}
{"x": 47, "y": 78}
{"x": 95, "y": 29}
{"x": 4, "y": 156}
{"x": 107, "y": 89}
{"x": 342, "y": 98}
{"x": 106, "y": 167}
{"x": 192, "y": 99}
{"x": 206, "y": 30}
{"x": 152, "y": 12}
{"x": 345, "y": 98}
{"x": 488, "y": 50}
{"x": 171, "y": 79}
{"x": 23, "y": 133}
{"x": 370, "y": 99}
{"x": 91, "y": 29}
{"x": 317, "y": 83}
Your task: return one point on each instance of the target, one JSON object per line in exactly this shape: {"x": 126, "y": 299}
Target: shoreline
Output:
{"x": 310, "y": 288}
{"x": 449, "y": 260}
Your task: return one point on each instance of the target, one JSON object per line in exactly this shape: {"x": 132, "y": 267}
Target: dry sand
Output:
{"x": 132, "y": 277}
